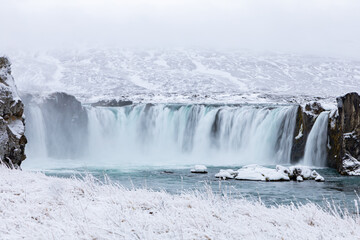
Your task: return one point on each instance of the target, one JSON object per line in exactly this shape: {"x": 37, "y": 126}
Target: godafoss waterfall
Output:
{"x": 155, "y": 145}
{"x": 175, "y": 164}
{"x": 179, "y": 119}
{"x": 165, "y": 134}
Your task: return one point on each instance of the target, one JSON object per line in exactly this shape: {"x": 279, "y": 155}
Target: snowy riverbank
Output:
{"x": 34, "y": 205}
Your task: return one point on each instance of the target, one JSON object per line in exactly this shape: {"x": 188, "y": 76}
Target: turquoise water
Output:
{"x": 337, "y": 189}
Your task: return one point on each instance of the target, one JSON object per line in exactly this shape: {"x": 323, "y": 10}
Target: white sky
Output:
{"x": 326, "y": 27}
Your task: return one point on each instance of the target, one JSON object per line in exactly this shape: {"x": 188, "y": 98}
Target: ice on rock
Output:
{"x": 351, "y": 165}
{"x": 314, "y": 174}
{"x": 259, "y": 173}
{"x": 226, "y": 174}
{"x": 244, "y": 174}
{"x": 256, "y": 172}
{"x": 17, "y": 128}
{"x": 199, "y": 169}
{"x": 303, "y": 171}
{"x": 320, "y": 178}
{"x": 283, "y": 169}
{"x": 250, "y": 172}
{"x": 299, "y": 178}
{"x": 276, "y": 176}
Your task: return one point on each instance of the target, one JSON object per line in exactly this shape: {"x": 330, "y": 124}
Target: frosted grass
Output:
{"x": 36, "y": 206}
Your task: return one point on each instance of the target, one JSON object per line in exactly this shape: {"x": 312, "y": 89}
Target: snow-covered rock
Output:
{"x": 226, "y": 174}
{"x": 344, "y": 135}
{"x": 351, "y": 166}
{"x": 256, "y": 172}
{"x": 303, "y": 171}
{"x": 199, "y": 169}
{"x": 12, "y": 123}
{"x": 259, "y": 173}
{"x": 319, "y": 178}
{"x": 246, "y": 174}
{"x": 299, "y": 178}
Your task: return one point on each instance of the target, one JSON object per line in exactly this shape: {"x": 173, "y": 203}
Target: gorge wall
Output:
{"x": 12, "y": 122}
{"x": 346, "y": 135}
{"x": 343, "y": 133}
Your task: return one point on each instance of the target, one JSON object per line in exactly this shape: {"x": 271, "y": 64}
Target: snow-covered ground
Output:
{"x": 36, "y": 206}
{"x": 184, "y": 75}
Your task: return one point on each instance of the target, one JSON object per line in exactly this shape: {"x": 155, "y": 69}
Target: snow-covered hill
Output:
{"x": 184, "y": 75}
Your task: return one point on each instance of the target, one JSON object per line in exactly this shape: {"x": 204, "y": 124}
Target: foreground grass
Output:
{"x": 35, "y": 206}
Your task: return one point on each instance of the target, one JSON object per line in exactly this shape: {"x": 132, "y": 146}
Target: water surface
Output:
{"x": 337, "y": 189}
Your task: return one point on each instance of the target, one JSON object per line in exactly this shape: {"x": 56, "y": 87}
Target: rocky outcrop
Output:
{"x": 305, "y": 119}
{"x": 343, "y": 145}
{"x": 12, "y": 122}
{"x": 112, "y": 103}
{"x": 335, "y": 141}
{"x": 349, "y": 120}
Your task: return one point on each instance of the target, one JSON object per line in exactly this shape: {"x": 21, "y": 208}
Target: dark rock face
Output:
{"x": 12, "y": 122}
{"x": 349, "y": 120}
{"x": 305, "y": 119}
{"x": 349, "y": 111}
{"x": 343, "y": 148}
{"x": 65, "y": 121}
{"x": 112, "y": 103}
{"x": 335, "y": 141}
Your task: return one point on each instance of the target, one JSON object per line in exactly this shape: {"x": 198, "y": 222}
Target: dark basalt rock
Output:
{"x": 343, "y": 146}
{"x": 349, "y": 120}
{"x": 112, "y": 103}
{"x": 12, "y": 122}
{"x": 335, "y": 142}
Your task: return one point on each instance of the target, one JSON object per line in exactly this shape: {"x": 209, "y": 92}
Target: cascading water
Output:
{"x": 315, "y": 149}
{"x": 36, "y": 147}
{"x": 160, "y": 134}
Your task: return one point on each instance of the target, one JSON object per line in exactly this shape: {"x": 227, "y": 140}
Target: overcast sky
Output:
{"x": 326, "y": 27}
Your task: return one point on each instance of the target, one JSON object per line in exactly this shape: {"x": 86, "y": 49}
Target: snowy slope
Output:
{"x": 183, "y": 75}
{"x": 35, "y": 206}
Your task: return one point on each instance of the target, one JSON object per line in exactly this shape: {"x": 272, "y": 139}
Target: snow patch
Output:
{"x": 226, "y": 174}
{"x": 351, "y": 165}
{"x": 300, "y": 133}
{"x": 17, "y": 128}
{"x": 199, "y": 169}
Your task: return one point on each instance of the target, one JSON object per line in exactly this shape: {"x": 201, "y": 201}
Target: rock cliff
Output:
{"x": 343, "y": 145}
{"x": 12, "y": 122}
{"x": 349, "y": 120}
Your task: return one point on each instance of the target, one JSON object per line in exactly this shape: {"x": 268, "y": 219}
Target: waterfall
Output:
{"x": 315, "y": 149}
{"x": 36, "y": 147}
{"x": 169, "y": 134}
